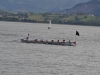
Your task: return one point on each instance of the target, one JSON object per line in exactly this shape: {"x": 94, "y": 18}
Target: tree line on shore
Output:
{"x": 76, "y": 19}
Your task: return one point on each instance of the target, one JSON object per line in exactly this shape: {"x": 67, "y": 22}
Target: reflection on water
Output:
{"x": 18, "y": 58}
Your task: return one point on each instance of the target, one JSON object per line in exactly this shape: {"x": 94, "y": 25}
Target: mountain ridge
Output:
{"x": 38, "y": 5}
{"x": 91, "y": 7}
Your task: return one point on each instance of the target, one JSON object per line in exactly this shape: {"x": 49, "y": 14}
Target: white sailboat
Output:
{"x": 49, "y": 25}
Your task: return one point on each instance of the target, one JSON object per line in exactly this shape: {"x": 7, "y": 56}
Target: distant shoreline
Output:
{"x": 53, "y": 23}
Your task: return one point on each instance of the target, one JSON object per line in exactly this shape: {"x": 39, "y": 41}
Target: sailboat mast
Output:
{"x": 50, "y": 23}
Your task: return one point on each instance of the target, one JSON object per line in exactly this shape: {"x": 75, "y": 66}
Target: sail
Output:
{"x": 49, "y": 25}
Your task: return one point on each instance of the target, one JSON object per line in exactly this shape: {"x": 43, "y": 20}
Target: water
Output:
{"x": 18, "y": 58}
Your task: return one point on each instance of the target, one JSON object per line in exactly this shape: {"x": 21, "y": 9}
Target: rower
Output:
{"x": 63, "y": 41}
{"x": 69, "y": 42}
{"x": 58, "y": 41}
{"x": 52, "y": 41}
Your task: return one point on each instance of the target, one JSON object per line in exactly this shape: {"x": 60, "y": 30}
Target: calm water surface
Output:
{"x": 18, "y": 58}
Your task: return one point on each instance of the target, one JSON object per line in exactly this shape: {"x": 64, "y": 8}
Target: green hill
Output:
{"x": 76, "y": 19}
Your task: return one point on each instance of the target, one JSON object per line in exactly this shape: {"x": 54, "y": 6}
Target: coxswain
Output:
{"x": 27, "y": 37}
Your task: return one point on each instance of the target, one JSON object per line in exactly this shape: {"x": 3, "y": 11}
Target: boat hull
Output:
{"x": 49, "y": 42}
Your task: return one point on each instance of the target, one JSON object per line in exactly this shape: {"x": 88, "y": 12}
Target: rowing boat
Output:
{"x": 52, "y": 42}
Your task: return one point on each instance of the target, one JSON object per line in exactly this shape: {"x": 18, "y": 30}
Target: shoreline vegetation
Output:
{"x": 72, "y": 19}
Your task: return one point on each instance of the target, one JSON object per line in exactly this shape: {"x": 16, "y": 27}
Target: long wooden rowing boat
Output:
{"x": 52, "y": 42}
